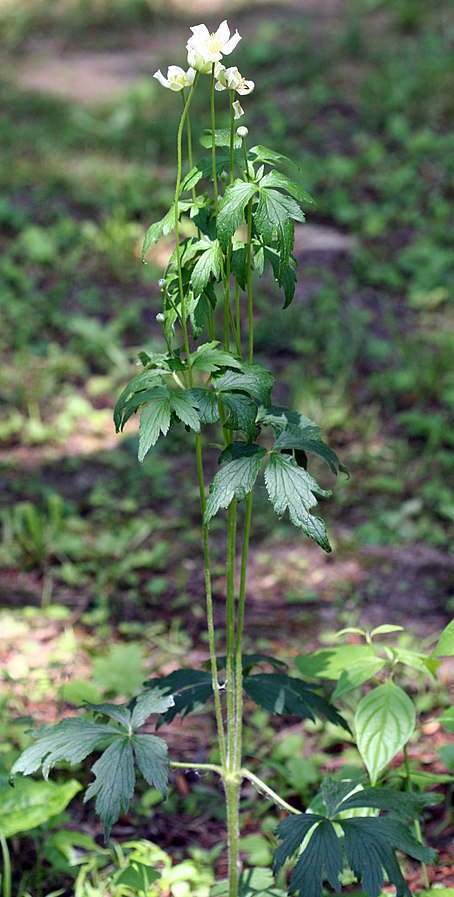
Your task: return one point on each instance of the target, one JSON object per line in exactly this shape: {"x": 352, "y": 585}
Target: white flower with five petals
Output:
{"x": 177, "y": 78}
{"x": 232, "y": 79}
{"x": 204, "y": 48}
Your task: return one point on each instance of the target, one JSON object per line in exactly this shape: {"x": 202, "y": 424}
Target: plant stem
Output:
{"x": 6, "y": 877}
{"x": 209, "y": 606}
{"x": 416, "y": 822}
{"x": 265, "y": 789}
{"x": 250, "y": 310}
{"x": 213, "y": 144}
{"x": 239, "y": 633}
{"x": 230, "y": 638}
{"x": 232, "y": 795}
{"x": 232, "y": 138}
{"x": 177, "y": 228}
{"x": 205, "y": 767}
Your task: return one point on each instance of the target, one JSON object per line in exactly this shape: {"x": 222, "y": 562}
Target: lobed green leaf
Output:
{"x": 283, "y": 694}
{"x": 252, "y": 379}
{"x": 291, "y": 488}
{"x": 235, "y": 479}
{"x": 231, "y": 209}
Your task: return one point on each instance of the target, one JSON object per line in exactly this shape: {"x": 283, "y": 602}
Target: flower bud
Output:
{"x": 161, "y": 319}
{"x": 161, "y": 283}
{"x": 242, "y": 131}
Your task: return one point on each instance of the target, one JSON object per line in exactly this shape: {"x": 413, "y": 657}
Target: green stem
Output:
{"x": 232, "y": 796}
{"x": 230, "y": 638}
{"x": 239, "y": 633}
{"x": 177, "y": 225}
{"x": 209, "y": 607}
{"x": 7, "y": 876}
{"x": 416, "y": 822}
{"x": 232, "y": 138}
{"x": 265, "y": 789}
{"x": 213, "y": 143}
{"x": 250, "y": 309}
{"x": 227, "y": 311}
{"x": 205, "y": 767}
{"x": 237, "y": 315}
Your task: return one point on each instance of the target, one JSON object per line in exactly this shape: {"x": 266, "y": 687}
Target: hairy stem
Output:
{"x": 213, "y": 144}
{"x": 230, "y": 637}
{"x": 177, "y": 226}
{"x": 204, "y": 767}
{"x": 239, "y": 634}
{"x": 265, "y": 789}
{"x": 209, "y": 607}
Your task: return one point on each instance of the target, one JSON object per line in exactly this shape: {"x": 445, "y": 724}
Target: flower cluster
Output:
{"x": 205, "y": 51}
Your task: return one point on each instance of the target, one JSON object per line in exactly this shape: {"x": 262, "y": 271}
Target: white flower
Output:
{"x": 239, "y": 111}
{"x": 204, "y": 48}
{"x": 232, "y": 79}
{"x": 242, "y": 132}
{"x": 177, "y": 78}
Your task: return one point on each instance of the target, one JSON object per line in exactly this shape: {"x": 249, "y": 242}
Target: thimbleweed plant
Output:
{"x": 241, "y": 207}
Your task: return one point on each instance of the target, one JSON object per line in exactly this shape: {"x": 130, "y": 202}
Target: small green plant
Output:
{"x": 233, "y": 216}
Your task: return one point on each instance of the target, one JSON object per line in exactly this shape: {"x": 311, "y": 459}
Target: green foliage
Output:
{"x": 384, "y": 722}
{"x": 29, "y": 804}
{"x": 369, "y": 844}
{"x": 72, "y": 740}
{"x": 235, "y": 479}
{"x": 291, "y": 488}
{"x": 286, "y": 695}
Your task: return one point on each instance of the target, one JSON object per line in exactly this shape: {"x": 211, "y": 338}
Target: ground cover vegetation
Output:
{"x": 102, "y": 557}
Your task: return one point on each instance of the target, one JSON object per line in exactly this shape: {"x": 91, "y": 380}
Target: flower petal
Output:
{"x": 175, "y": 71}
{"x": 231, "y": 44}
{"x": 223, "y": 32}
{"x": 245, "y": 87}
{"x": 160, "y": 77}
{"x": 239, "y": 111}
{"x": 200, "y": 32}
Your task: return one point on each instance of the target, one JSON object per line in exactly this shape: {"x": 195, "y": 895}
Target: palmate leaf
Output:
{"x": 242, "y": 412}
{"x": 370, "y": 846}
{"x": 231, "y": 209}
{"x": 291, "y": 488}
{"x": 206, "y": 402}
{"x": 208, "y": 264}
{"x": 261, "y": 153}
{"x": 384, "y": 721}
{"x": 283, "y": 694}
{"x": 154, "y": 419}
{"x": 190, "y": 689}
{"x": 307, "y": 439}
{"x": 252, "y": 379}
{"x": 369, "y": 843}
{"x": 274, "y": 216}
{"x": 114, "y": 782}
{"x": 132, "y": 396}
{"x": 235, "y": 479}
{"x": 72, "y": 740}
{"x": 156, "y": 415}
{"x": 164, "y": 226}
{"x": 210, "y": 359}
{"x": 282, "y": 182}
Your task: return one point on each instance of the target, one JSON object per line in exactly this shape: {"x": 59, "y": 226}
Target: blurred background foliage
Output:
{"x": 360, "y": 93}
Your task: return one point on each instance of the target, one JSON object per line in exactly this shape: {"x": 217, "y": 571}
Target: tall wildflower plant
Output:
{"x": 242, "y": 208}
